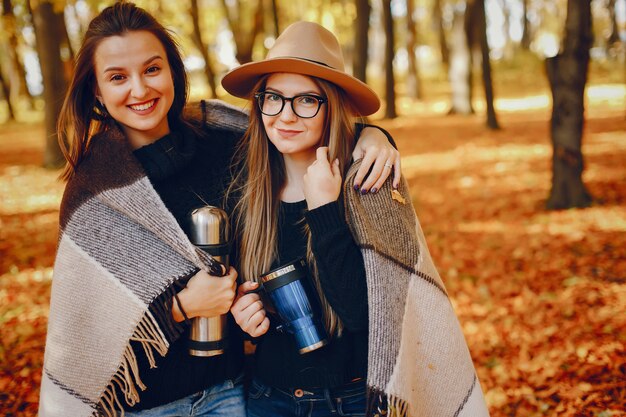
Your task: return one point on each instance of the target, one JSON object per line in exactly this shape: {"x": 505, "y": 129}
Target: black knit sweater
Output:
{"x": 188, "y": 171}
{"x": 342, "y": 276}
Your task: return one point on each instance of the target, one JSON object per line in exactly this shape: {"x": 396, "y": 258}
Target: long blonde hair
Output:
{"x": 262, "y": 177}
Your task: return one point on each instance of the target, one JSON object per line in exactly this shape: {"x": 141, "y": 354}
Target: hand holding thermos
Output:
{"x": 207, "y": 298}
{"x": 207, "y": 295}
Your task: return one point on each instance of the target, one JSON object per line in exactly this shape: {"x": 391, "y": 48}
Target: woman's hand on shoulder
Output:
{"x": 248, "y": 311}
{"x": 322, "y": 181}
{"x": 379, "y": 155}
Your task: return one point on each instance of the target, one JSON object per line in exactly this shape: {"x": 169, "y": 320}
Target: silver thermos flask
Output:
{"x": 209, "y": 231}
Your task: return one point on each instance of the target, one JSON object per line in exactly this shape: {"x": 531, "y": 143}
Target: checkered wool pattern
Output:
{"x": 418, "y": 361}
{"x": 120, "y": 252}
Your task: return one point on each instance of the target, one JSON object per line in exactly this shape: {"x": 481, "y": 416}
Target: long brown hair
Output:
{"x": 262, "y": 177}
{"x": 82, "y": 116}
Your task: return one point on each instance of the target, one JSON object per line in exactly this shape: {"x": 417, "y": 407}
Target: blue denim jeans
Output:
{"x": 347, "y": 400}
{"x": 226, "y": 399}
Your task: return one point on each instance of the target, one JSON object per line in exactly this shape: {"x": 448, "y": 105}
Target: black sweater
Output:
{"x": 342, "y": 276}
{"x": 188, "y": 171}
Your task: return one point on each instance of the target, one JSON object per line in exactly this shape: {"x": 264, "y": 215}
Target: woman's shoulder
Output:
{"x": 108, "y": 164}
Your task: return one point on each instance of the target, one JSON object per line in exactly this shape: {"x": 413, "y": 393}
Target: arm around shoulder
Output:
{"x": 218, "y": 114}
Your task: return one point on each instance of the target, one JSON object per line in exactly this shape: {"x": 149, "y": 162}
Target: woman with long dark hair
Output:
{"x": 127, "y": 280}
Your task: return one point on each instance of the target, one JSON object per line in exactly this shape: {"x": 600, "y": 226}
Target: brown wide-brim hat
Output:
{"x": 304, "y": 48}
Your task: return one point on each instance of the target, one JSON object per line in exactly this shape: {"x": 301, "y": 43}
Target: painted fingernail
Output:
{"x": 374, "y": 190}
{"x": 363, "y": 191}
{"x": 356, "y": 187}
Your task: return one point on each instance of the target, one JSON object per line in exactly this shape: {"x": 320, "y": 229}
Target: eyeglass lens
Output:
{"x": 305, "y": 105}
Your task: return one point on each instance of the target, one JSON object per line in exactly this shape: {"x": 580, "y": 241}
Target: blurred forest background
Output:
{"x": 511, "y": 119}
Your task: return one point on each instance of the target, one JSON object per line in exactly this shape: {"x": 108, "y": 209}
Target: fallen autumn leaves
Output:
{"x": 541, "y": 295}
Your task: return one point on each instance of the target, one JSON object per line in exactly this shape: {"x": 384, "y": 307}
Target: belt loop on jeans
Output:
{"x": 329, "y": 400}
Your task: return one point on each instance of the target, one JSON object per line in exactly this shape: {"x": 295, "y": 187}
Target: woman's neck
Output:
{"x": 140, "y": 138}
{"x": 295, "y": 168}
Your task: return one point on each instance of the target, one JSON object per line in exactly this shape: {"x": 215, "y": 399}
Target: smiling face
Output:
{"x": 294, "y": 136}
{"x": 134, "y": 82}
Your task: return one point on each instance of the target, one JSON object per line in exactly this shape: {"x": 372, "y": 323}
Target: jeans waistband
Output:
{"x": 350, "y": 389}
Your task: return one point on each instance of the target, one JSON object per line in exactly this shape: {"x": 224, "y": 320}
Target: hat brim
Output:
{"x": 241, "y": 80}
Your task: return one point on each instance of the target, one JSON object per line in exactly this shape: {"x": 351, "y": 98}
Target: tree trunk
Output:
{"x": 390, "y": 94}
{"x": 17, "y": 78}
{"x": 460, "y": 70}
{"x": 361, "y": 39}
{"x": 257, "y": 28}
{"x": 614, "y": 36}
{"x": 275, "y": 14}
{"x": 50, "y": 36}
{"x": 6, "y": 93}
{"x": 244, "y": 40}
{"x": 66, "y": 44}
{"x": 414, "y": 87}
{"x": 441, "y": 33}
{"x": 476, "y": 30}
{"x": 472, "y": 36}
{"x": 567, "y": 74}
{"x": 525, "y": 26}
{"x": 203, "y": 48}
{"x": 506, "y": 28}
{"x": 481, "y": 21}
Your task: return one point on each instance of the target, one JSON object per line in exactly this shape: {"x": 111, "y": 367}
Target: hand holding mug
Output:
{"x": 249, "y": 312}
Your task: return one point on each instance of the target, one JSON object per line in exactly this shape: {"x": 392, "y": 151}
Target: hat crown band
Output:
{"x": 308, "y": 60}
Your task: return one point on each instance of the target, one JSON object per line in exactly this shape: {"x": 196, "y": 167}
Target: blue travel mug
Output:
{"x": 297, "y": 305}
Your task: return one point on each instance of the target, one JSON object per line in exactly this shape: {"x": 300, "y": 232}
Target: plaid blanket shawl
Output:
{"x": 418, "y": 361}
{"x": 120, "y": 252}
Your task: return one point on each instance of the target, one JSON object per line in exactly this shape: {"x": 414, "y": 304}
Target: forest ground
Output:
{"x": 540, "y": 295}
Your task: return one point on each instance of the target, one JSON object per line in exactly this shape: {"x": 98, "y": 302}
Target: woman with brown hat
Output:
{"x": 127, "y": 279}
{"x": 394, "y": 344}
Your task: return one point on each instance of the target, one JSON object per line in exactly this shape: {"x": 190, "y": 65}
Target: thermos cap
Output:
{"x": 208, "y": 226}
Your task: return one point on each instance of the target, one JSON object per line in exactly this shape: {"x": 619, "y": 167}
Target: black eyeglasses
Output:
{"x": 305, "y": 106}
